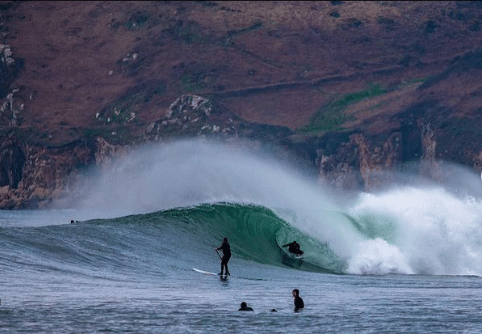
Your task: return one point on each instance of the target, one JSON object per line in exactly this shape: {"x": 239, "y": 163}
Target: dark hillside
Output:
{"x": 385, "y": 78}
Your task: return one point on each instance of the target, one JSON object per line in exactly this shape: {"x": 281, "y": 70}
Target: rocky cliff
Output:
{"x": 353, "y": 90}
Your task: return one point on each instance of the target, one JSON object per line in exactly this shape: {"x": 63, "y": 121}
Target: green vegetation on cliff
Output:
{"x": 331, "y": 116}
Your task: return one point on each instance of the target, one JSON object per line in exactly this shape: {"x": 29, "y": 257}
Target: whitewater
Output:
{"x": 405, "y": 258}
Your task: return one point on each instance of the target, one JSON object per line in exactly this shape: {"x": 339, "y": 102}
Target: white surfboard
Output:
{"x": 204, "y": 272}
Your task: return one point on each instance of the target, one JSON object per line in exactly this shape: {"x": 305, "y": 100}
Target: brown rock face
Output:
{"x": 361, "y": 162}
{"x": 352, "y": 89}
{"x": 12, "y": 161}
{"x": 34, "y": 176}
{"x": 37, "y": 174}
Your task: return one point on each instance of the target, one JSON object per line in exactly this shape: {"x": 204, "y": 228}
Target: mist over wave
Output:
{"x": 409, "y": 229}
{"x": 193, "y": 172}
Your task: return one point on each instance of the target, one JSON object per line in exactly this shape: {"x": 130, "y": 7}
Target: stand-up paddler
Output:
{"x": 226, "y": 256}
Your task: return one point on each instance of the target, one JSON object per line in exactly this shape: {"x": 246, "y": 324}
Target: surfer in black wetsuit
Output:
{"x": 245, "y": 307}
{"x": 299, "y": 304}
{"x": 294, "y": 247}
{"x": 226, "y": 256}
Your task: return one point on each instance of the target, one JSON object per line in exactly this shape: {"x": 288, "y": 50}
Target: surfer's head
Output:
{"x": 244, "y": 305}
{"x": 225, "y": 239}
{"x": 296, "y": 293}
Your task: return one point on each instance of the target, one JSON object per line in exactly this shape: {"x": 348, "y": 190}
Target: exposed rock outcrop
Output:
{"x": 367, "y": 162}
{"x": 105, "y": 153}
{"x": 40, "y": 174}
{"x": 9, "y": 69}
{"x": 34, "y": 175}
{"x": 12, "y": 161}
{"x": 10, "y": 110}
{"x": 361, "y": 162}
{"x": 194, "y": 116}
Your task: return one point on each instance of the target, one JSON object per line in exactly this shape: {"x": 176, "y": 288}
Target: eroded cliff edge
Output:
{"x": 36, "y": 176}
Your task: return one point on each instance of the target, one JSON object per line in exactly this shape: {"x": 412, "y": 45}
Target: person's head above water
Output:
{"x": 245, "y": 307}
{"x": 225, "y": 239}
{"x": 299, "y": 304}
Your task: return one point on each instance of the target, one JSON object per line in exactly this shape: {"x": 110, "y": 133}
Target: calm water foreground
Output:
{"x": 184, "y": 301}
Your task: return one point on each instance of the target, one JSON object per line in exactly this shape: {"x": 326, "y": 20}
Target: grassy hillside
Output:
{"x": 110, "y": 68}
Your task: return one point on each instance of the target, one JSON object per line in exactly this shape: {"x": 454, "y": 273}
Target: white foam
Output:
{"x": 377, "y": 257}
{"x": 433, "y": 232}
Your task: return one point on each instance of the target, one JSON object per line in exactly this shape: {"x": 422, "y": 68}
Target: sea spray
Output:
{"x": 419, "y": 229}
{"x": 377, "y": 257}
{"x": 432, "y": 231}
{"x": 193, "y": 172}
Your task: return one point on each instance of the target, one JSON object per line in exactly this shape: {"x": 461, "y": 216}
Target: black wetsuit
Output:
{"x": 247, "y": 308}
{"x": 226, "y": 256}
{"x": 294, "y": 248}
{"x": 226, "y": 252}
{"x": 299, "y": 304}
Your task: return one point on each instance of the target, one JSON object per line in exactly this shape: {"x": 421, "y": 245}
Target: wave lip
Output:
{"x": 257, "y": 234}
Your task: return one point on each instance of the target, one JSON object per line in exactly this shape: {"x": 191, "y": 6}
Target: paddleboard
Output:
{"x": 297, "y": 256}
{"x": 205, "y": 272}
{"x": 292, "y": 255}
{"x": 224, "y": 276}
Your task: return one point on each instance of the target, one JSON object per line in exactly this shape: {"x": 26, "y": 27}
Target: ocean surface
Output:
{"x": 404, "y": 259}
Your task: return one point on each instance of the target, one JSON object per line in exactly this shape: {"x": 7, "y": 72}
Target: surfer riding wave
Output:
{"x": 294, "y": 247}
